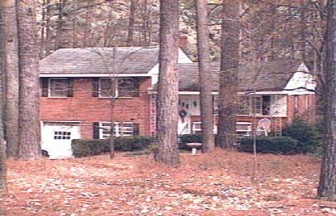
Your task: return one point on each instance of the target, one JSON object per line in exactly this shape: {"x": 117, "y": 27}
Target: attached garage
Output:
{"x": 57, "y": 137}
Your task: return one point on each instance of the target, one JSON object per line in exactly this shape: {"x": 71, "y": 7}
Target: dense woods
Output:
{"x": 232, "y": 33}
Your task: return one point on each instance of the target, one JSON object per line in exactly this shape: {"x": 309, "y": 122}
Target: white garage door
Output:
{"x": 56, "y": 138}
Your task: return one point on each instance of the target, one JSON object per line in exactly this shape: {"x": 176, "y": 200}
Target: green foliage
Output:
{"x": 84, "y": 147}
{"x": 308, "y": 136}
{"x": 136, "y": 143}
{"x": 274, "y": 145}
{"x": 189, "y": 138}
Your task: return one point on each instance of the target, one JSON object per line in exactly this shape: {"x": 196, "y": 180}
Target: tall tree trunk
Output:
{"x": 3, "y": 170}
{"x": 11, "y": 69}
{"x": 131, "y": 22}
{"x": 204, "y": 76}
{"x": 47, "y": 42}
{"x": 167, "y": 103}
{"x": 228, "y": 86}
{"x": 145, "y": 20}
{"x": 109, "y": 26}
{"x": 43, "y": 27}
{"x": 273, "y": 33}
{"x": 60, "y": 22}
{"x": 87, "y": 28}
{"x": 303, "y": 29}
{"x": 327, "y": 184}
{"x": 29, "y": 124}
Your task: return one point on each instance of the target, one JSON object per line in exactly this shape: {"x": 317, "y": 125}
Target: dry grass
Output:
{"x": 210, "y": 184}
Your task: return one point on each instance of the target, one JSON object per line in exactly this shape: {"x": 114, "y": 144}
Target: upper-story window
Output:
{"x": 107, "y": 88}
{"x": 57, "y": 87}
{"x": 116, "y": 87}
{"x": 128, "y": 87}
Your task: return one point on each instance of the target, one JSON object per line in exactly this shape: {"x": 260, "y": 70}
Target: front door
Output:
{"x": 57, "y": 137}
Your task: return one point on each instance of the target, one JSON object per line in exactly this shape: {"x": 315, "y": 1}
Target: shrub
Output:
{"x": 83, "y": 148}
{"x": 89, "y": 147}
{"x": 308, "y": 136}
{"x": 274, "y": 145}
{"x": 189, "y": 138}
{"x": 136, "y": 143}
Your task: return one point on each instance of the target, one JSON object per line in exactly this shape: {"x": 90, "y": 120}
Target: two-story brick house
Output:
{"x": 84, "y": 90}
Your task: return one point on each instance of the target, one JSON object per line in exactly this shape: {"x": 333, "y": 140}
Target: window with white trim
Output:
{"x": 107, "y": 88}
{"x": 197, "y": 127}
{"x": 62, "y": 135}
{"x": 242, "y": 128}
{"x": 119, "y": 87}
{"x": 119, "y": 129}
{"x": 256, "y": 104}
{"x": 58, "y": 87}
{"x": 128, "y": 87}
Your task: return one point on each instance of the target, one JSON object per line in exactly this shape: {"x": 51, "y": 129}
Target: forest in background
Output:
{"x": 270, "y": 29}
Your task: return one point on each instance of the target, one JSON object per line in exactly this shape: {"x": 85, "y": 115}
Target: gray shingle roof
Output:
{"x": 269, "y": 76}
{"x": 127, "y": 60}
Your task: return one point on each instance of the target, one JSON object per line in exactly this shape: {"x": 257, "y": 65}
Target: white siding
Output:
{"x": 279, "y": 105}
{"x": 190, "y": 103}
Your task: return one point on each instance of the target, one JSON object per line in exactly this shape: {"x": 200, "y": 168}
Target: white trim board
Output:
{"x": 285, "y": 92}
{"x": 91, "y": 75}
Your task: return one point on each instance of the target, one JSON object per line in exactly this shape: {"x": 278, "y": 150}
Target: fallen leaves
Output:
{"x": 209, "y": 184}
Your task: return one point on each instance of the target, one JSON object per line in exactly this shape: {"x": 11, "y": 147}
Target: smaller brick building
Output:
{"x": 272, "y": 93}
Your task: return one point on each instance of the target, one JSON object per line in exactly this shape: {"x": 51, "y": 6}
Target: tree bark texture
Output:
{"x": 204, "y": 76}
{"x": 167, "y": 103}
{"x": 48, "y": 35}
{"x": 29, "y": 124}
{"x": 11, "y": 79}
{"x": 327, "y": 184}
{"x": 131, "y": 22}
{"x": 3, "y": 167}
{"x": 228, "y": 86}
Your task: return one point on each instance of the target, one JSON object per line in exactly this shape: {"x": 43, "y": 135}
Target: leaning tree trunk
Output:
{"x": 167, "y": 101}
{"x": 327, "y": 184}
{"x": 29, "y": 124}
{"x": 228, "y": 86}
{"x": 11, "y": 79}
{"x": 204, "y": 76}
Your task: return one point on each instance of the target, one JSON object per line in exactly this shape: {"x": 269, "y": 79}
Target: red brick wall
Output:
{"x": 87, "y": 109}
{"x": 251, "y": 119}
{"x": 301, "y": 106}
{"x": 298, "y": 106}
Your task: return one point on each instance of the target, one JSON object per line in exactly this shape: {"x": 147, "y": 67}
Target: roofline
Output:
{"x": 285, "y": 92}
{"x": 94, "y": 75}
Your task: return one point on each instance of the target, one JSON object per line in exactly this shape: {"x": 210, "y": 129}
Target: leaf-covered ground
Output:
{"x": 220, "y": 183}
